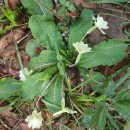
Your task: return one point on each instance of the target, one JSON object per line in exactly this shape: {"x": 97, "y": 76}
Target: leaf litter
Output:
{"x": 9, "y": 64}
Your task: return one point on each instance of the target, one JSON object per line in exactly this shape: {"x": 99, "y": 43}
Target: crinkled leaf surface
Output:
{"x": 122, "y": 104}
{"x": 8, "y": 87}
{"x": 127, "y": 126}
{"x": 109, "y": 91}
{"x": 34, "y": 8}
{"x": 32, "y": 86}
{"x": 68, "y": 5}
{"x": 99, "y": 118}
{"x": 46, "y": 56}
{"x": 45, "y": 32}
{"x": 112, "y": 1}
{"x": 87, "y": 116}
{"x": 105, "y": 53}
{"x": 80, "y": 26}
{"x": 30, "y": 47}
{"x": 54, "y": 95}
{"x": 48, "y": 72}
{"x": 96, "y": 117}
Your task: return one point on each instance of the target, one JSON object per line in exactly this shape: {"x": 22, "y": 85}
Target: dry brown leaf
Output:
{"x": 11, "y": 118}
{"x": 23, "y": 126}
{"x": 13, "y": 4}
{"x": 84, "y": 4}
{"x": 95, "y": 37}
{"x": 8, "y": 39}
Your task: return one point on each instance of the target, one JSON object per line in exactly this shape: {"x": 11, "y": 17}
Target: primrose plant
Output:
{"x": 83, "y": 48}
{"x": 47, "y": 76}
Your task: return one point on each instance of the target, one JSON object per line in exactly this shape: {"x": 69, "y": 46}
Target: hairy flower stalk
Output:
{"x": 34, "y": 120}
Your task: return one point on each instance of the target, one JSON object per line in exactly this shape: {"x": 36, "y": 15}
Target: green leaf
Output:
{"x": 62, "y": 11}
{"x": 48, "y": 72}
{"x": 8, "y": 106}
{"x": 46, "y": 58}
{"x": 8, "y": 87}
{"x": 99, "y": 117}
{"x": 61, "y": 70}
{"x": 123, "y": 79}
{"x": 80, "y": 27}
{"x": 87, "y": 117}
{"x": 71, "y": 8}
{"x": 32, "y": 87}
{"x": 95, "y": 117}
{"x": 68, "y": 5}
{"x": 109, "y": 91}
{"x": 34, "y": 8}
{"x": 127, "y": 126}
{"x": 105, "y": 53}
{"x": 97, "y": 76}
{"x": 122, "y": 104}
{"x": 113, "y": 122}
{"x": 30, "y": 48}
{"x": 63, "y": 2}
{"x": 45, "y": 32}
{"x": 10, "y": 15}
{"x": 54, "y": 95}
{"x": 111, "y": 1}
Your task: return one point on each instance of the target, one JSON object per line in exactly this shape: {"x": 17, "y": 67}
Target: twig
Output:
{"x": 76, "y": 106}
{"x": 5, "y": 76}
{"x": 23, "y": 38}
{"x": 4, "y": 125}
{"x": 17, "y": 125}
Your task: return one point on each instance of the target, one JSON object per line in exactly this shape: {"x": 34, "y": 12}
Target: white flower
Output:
{"x": 23, "y": 74}
{"x": 100, "y": 23}
{"x": 81, "y": 47}
{"x": 34, "y": 120}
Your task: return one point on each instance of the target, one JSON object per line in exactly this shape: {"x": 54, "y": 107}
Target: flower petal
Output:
{"x": 34, "y": 120}
{"x": 101, "y": 24}
{"x": 101, "y": 31}
{"x": 23, "y": 73}
{"x": 81, "y": 47}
